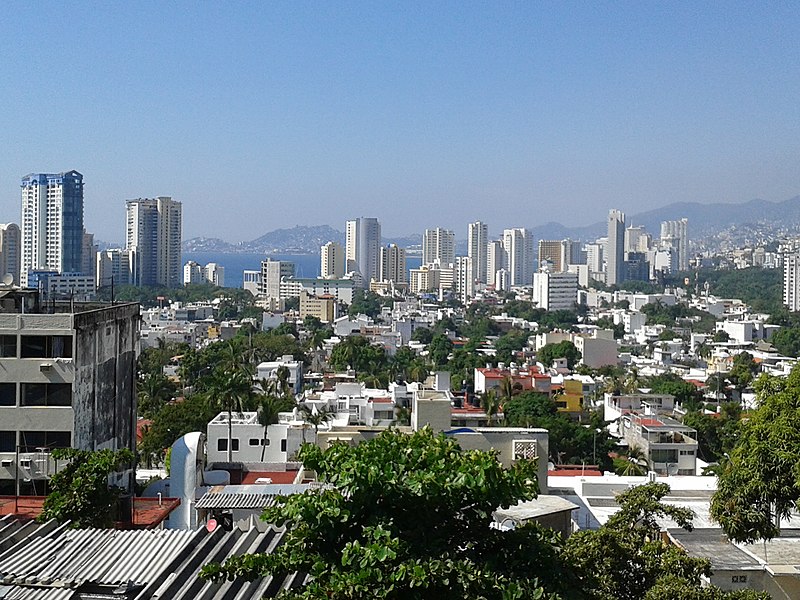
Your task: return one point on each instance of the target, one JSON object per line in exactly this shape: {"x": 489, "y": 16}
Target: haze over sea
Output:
{"x": 306, "y": 265}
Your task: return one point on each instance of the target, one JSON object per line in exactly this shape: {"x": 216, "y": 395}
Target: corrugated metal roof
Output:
{"x": 101, "y": 556}
{"x": 234, "y": 501}
{"x": 28, "y": 593}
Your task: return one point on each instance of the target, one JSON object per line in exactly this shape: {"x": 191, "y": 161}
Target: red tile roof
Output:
{"x": 276, "y": 476}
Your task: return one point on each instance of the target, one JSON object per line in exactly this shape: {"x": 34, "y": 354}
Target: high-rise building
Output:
{"x": 272, "y": 273}
{"x": 518, "y": 246}
{"x": 495, "y": 259}
{"x": 555, "y": 291}
{"x": 52, "y": 223}
{"x": 154, "y": 235}
{"x": 676, "y": 234}
{"x": 615, "y": 248}
{"x": 393, "y": 264}
{"x": 438, "y": 246}
{"x": 363, "y": 248}
{"x": 332, "y": 261}
{"x": 9, "y": 251}
{"x": 791, "y": 281}
{"x": 89, "y": 255}
{"x": 114, "y": 267}
{"x": 192, "y": 273}
{"x": 557, "y": 253}
{"x": 477, "y": 246}
{"x": 214, "y": 274}
{"x": 463, "y": 278}
{"x": 636, "y": 239}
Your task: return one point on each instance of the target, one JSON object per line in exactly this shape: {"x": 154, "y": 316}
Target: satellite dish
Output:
{"x": 8, "y": 279}
{"x": 672, "y": 468}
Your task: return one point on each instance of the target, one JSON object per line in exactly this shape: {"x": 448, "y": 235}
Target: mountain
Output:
{"x": 704, "y": 219}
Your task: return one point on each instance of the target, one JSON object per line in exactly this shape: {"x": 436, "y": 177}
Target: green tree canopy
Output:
{"x": 566, "y": 349}
{"x": 407, "y": 516}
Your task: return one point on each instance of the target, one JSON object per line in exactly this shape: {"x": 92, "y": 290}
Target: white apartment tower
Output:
{"x": 154, "y": 235}
{"x": 393, "y": 264}
{"x": 363, "y": 247}
{"x": 192, "y": 273}
{"x": 438, "y": 246}
{"x": 477, "y": 247}
{"x": 676, "y": 234}
{"x": 272, "y": 273}
{"x": 518, "y": 246}
{"x": 463, "y": 278}
{"x": 791, "y": 281}
{"x": 214, "y": 274}
{"x": 615, "y": 248}
{"x": 114, "y": 267}
{"x": 52, "y": 223}
{"x": 495, "y": 260}
{"x": 332, "y": 261}
{"x": 10, "y": 239}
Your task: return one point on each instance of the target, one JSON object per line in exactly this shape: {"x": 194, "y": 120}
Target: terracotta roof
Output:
{"x": 276, "y": 476}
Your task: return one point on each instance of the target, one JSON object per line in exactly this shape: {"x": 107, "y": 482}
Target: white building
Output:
{"x": 555, "y": 291}
{"x": 340, "y": 289}
{"x": 615, "y": 248}
{"x": 248, "y": 443}
{"x": 791, "y": 281}
{"x": 269, "y": 370}
{"x": 251, "y": 281}
{"x": 438, "y": 245}
{"x": 52, "y": 223}
{"x": 518, "y": 247}
{"x": 273, "y": 272}
{"x": 464, "y": 281}
{"x": 192, "y": 273}
{"x": 214, "y": 274}
{"x": 10, "y": 249}
{"x": 477, "y": 246}
{"x": 362, "y": 247}
{"x": 495, "y": 260}
{"x": 114, "y": 266}
{"x": 153, "y": 233}
{"x": 332, "y": 261}
{"x": 676, "y": 235}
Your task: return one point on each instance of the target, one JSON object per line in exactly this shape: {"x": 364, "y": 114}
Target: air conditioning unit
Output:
{"x": 46, "y": 367}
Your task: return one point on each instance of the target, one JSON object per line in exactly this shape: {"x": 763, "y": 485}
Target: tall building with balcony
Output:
{"x": 10, "y": 247}
{"x": 332, "y": 261}
{"x": 438, "y": 246}
{"x": 154, "y": 235}
{"x": 52, "y": 223}
{"x": 495, "y": 260}
{"x": 477, "y": 246}
{"x": 676, "y": 234}
{"x": 69, "y": 373}
{"x": 273, "y": 272}
{"x": 518, "y": 247}
{"x": 114, "y": 267}
{"x": 393, "y": 264}
{"x": 363, "y": 248}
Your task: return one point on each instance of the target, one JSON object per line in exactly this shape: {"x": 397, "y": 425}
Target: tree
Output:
{"x": 626, "y": 559}
{"x": 365, "y": 303}
{"x": 439, "y": 349}
{"x": 154, "y": 390}
{"x": 231, "y": 391}
{"x": 670, "y": 383}
{"x": 490, "y": 403}
{"x": 80, "y": 492}
{"x": 761, "y": 481}
{"x": 422, "y": 335}
{"x": 269, "y": 409}
{"x": 358, "y": 353}
{"x": 406, "y": 516}
{"x": 173, "y": 421}
{"x": 566, "y": 349}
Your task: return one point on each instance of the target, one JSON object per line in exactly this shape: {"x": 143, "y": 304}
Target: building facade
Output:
{"x": 615, "y": 248}
{"x": 518, "y": 247}
{"x": 272, "y": 273}
{"x": 676, "y": 235}
{"x": 438, "y": 246}
{"x": 114, "y": 267}
{"x": 10, "y": 248}
{"x": 154, "y": 235}
{"x": 393, "y": 264}
{"x": 362, "y": 248}
{"x": 332, "y": 261}
{"x": 52, "y": 223}
{"x": 477, "y": 247}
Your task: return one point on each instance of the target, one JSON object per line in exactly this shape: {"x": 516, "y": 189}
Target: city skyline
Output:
{"x": 425, "y": 115}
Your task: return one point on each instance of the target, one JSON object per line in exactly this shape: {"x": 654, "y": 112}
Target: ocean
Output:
{"x": 306, "y": 265}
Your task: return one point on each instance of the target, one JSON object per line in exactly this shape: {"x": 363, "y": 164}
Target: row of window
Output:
{"x": 36, "y": 394}
{"x": 36, "y": 346}
{"x": 31, "y": 441}
{"x": 222, "y": 444}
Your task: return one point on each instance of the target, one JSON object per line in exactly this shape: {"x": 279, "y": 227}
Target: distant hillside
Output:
{"x": 704, "y": 219}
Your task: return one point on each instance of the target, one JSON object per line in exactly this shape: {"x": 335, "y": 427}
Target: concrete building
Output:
{"x": 54, "y": 285}
{"x": 88, "y": 255}
{"x": 495, "y": 260}
{"x": 438, "y": 246}
{"x": 670, "y": 447}
{"x": 154, "y": 227}
{"x": 477, "y": 246}
{"x": 464, "y": 280}
{"x": 676, "y": 234}
{"x": 10, "y": 249}
{"x": 340, "y": 289}
{"x": 362, "y": 248}
{"x": 393, "y": 264}
{"x": 214, "y": 274}
{"x": 251, "y": 281}
{"x": 425, "y": 279}
{"x": 518, "y": 247}
{"x": 791, "y": 281}
{"x": 615, "y": 248}
{"x": 273, "y": 272}
{"x": 69, "y": 381}
{"x": 114, "y": 267}
{"x": 333, "y": 263}
{"x": 52, "y": 223}
{"x": 248, "y": 443}
{"x": 192, "y": 273}
{"x": 557, "y": 254}
{"x": 321, "y": 307}
{"x": 555, "y": 291}
{"x": 268, "y": 370}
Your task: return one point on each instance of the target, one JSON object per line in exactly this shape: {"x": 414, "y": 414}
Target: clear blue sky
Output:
{"x": 262, "y": 115}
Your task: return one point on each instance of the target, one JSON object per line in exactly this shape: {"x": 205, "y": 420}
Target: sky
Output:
{"x": 263, "y": 115}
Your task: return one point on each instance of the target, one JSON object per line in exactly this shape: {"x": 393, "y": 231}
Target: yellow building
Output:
{"x": 322, "y": 307}
{"x": 571, "y": 400}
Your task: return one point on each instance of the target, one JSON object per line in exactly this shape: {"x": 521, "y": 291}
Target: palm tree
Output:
{"x": 490, "y": 403}
{"x": 418, "y": 371}
{"x": 635, "y": 463}
{"x": 231, "y": 391}
{"x": 154, "y": 390}
{"x": 317, "y": 417}
{"x": 269, "y": 409}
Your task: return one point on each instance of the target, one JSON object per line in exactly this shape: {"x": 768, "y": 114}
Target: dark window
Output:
{"x": 46, "y": 346}
{"x": 8, "y": 346}
{"x": 222, "y": 445}
{"x": 235, "y": 444}
{"x": 255, "y": 442}
{"x": 283, "y": 445}
{"x": 30, "y": 441}
{"x": 46, "y": 394}
{"x": 8, "y": 441}
{"x": 8, "y": 394}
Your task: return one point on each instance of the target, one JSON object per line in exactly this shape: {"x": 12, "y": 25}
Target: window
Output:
{"x": 235, "y": 444}
{"x": 46, "y": 346}
{"x": 255, "y": 442}
{"x": 222, "y": 445}
{"x": 283, "y": 445}
{"x": 46, "y": 394}
{"x": 8, "y": 346}
{"x": 8, "y": 441}
{"x": 739, "y": 579}
{"x": 8, "y": 394}
{"x": 687, "y": 452}
{"x": 31, "y": 441}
